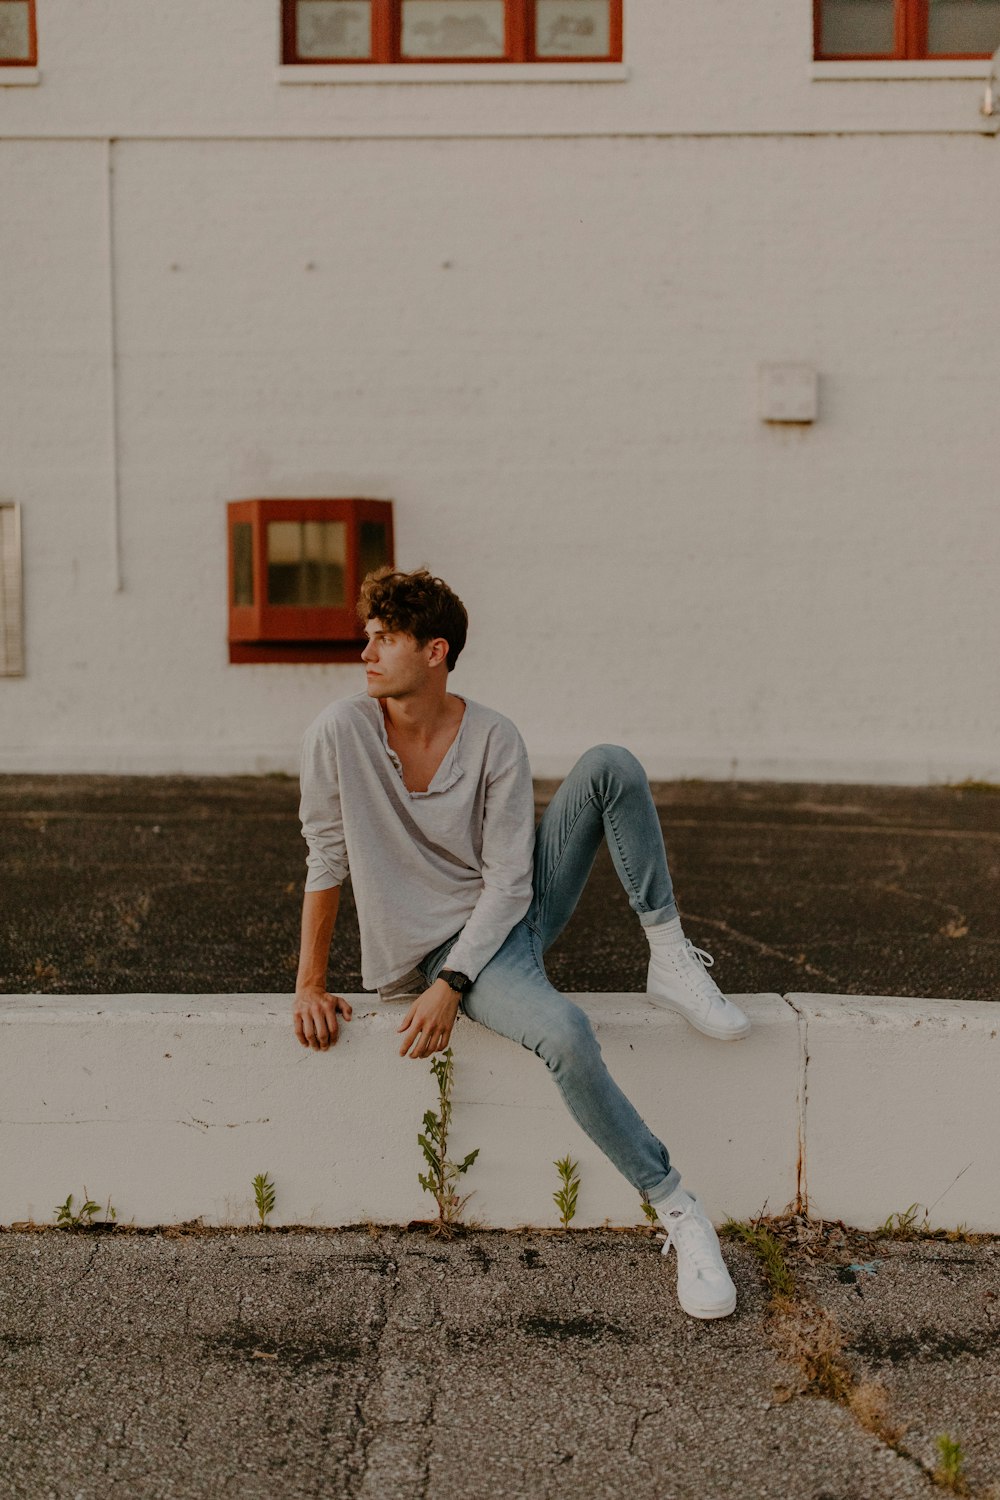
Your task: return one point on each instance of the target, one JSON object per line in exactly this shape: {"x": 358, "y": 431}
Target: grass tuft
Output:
{"x": 780, "y": 1281}
{"x": 869, "y": 1402}
{"x": 950, "y": 1471}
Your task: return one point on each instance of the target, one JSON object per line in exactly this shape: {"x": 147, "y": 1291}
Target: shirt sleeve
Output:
{"x": 508, "y": 862}
{"x": 319, "y": 810}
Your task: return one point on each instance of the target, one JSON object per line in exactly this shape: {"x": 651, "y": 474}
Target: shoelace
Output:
{"x": 696, "y": 1246}
{"x": 701, "y": 979}
{"x": 705, "y": 959}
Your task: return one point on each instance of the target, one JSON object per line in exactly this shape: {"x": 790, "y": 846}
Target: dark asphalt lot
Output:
{"x": 193, "y": 884}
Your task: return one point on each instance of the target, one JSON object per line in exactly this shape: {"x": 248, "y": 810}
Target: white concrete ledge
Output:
{"x": 170, "y": 1105}
{"x": 902, "y": 1106}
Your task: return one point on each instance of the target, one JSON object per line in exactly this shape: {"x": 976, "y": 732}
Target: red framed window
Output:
{"x": 295, "y": 572}
{"x": 18, "y": 36}
{"x": 905, "y": 29}
{"x": 470, "y": 31}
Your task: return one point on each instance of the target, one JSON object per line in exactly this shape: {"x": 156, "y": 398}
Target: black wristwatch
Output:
{"x": 456, "y": 981}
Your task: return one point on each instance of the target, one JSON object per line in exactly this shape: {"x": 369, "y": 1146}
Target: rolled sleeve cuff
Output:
{"x": 321, "y": 877}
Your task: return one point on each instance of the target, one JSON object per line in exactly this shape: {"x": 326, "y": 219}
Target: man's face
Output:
{"x": 395, "y": 665}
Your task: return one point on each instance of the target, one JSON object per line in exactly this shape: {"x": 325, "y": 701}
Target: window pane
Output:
{"x": 964, "y": 26}
{"x": 306, "y": 562}
{"x": 850, "y": 27}
{"x": 242, "y": 562}
{"x": 15, "y": 31}
{"x": 333, "y": 28}
{"x": 572, "y": 28}
{"x": 453, "y": 28}
{"x": 373, "y": 547}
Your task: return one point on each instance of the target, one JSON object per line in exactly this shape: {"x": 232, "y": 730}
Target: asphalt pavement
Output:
{"x": 389, "y": 1365}
{"x": 188, "y": 884}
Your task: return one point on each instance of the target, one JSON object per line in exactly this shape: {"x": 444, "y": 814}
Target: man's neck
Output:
{"x": 421, "y": 716}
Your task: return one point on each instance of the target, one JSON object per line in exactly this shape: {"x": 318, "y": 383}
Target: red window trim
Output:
{"x": 261, "y": 631}
{"x": 912, "y": 21}
{"x": 387, "y": 38}
{"x": 31, "y": 61}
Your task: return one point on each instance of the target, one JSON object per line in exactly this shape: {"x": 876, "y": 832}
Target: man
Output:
{"x": 426, "y": 798}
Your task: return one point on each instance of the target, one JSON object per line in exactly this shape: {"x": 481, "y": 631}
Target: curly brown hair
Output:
{"x": 417, "y": 604}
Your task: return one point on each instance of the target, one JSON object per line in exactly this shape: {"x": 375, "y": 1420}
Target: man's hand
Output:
{"x": 428, "y": 1022}
{"x": 315, "y": 1017}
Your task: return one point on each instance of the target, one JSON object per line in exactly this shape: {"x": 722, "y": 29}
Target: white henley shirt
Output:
{"x": 423, "y": 865}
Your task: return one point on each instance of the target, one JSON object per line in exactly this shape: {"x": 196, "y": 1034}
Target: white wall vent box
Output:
{"x": 788, "y": 393}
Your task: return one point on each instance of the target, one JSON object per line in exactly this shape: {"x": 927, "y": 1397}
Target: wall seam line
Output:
{"x": 801, "y": 1203}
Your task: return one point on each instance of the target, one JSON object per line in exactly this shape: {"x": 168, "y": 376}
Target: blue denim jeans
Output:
{"x": 605, "y": 796}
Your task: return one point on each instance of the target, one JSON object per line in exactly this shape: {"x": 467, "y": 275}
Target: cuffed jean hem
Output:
{"x": 657, "y": 918}
{"x": 663, "y": 1189}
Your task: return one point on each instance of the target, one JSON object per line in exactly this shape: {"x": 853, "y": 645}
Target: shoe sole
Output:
{"x": 709, "y": 1312}
{"x": 718, "y": 1036}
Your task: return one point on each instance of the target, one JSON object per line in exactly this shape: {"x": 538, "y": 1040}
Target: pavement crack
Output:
{"x": 89, "y": 1266}
{"x": 798, "y": 959}
{"x": 361, "y": 1431}
{"x": 428, "y": 1453}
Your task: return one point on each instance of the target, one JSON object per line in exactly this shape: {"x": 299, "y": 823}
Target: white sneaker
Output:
{"x": 678, "y": 979}
{"x": 704, "y": 1287}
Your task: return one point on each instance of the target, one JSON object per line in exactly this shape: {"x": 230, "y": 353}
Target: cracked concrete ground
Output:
{"x": 186, "y": 884}
{"x": 389, "y": 1364}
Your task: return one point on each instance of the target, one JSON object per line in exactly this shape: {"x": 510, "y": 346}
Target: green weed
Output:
{"x": 565, "y": 1199}
{"x": 263, "y": 1192}
{"x": 949, "y": 1473}
{"x": 442, "y": 1178}
{"x": 83, "y": 1217}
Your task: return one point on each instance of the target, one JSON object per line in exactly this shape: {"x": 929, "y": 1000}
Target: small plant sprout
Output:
{"x": 650, "y": 1212}
{"x": 767, "y": 1248}
{"x": 565, "y": 1199}
{"x": 442, "y": 1177}
{"x": 263, "y": 1192}
{"x": 83, "y": 1217}
{"x": 903, "y": 1226}
{"x": 949, "y": 1473}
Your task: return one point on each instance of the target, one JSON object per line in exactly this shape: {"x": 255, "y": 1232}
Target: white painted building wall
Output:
{"x": 532, "y": 315}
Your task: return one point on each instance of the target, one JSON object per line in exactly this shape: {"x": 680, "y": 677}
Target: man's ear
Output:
{"x": 438, "y": 652}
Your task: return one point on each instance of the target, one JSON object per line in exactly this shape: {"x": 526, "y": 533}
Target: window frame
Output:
{"x": 387, "y": 27}
{"x": 31, "y": 61}
{"x": 262, "y": 631}
{"x": 911, "y": 31}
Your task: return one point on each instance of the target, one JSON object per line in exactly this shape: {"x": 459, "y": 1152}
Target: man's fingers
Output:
{"x": 433, "y": 1041}
{"x": 404, "y": 1025}
{"x": 315, "y": 1019}
{"x": 409, "y": 1040}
